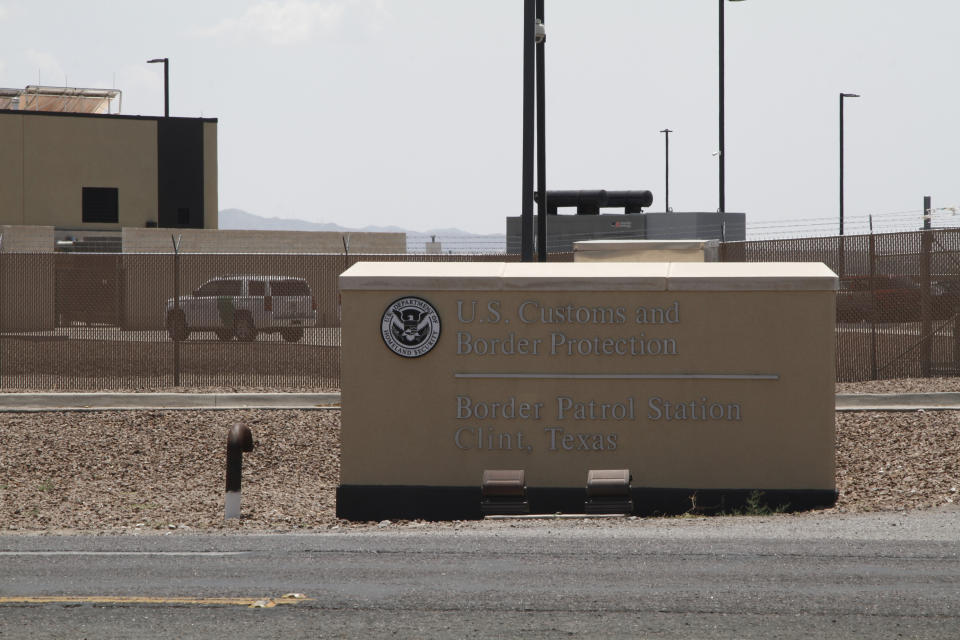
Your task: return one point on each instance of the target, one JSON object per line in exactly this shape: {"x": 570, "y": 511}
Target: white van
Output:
{"x": 242, "y": 306}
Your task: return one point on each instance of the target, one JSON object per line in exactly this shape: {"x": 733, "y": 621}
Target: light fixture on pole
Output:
{"x": 842, "y": 96}
{"x": 722, "y": 153}
{"x": 666, "y": 139}
{"x": 166, "y": 84}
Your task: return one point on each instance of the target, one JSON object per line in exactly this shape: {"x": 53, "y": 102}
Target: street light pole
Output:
{"x": 842, "y": 96}
{"x": 723, "y": 155}
{"x": 666, "y": 139}
{"x": 722, "y": 151}
{"x": 541, "y": 37}
{"x": 166, "y": 84}
{"x": 526, "y": 209}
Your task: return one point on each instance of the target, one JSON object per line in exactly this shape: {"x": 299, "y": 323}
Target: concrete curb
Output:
{"x": 131, "y": 401}
{"x": 897, "y": 401}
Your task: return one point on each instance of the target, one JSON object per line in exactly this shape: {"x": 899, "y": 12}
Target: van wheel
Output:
{"x": 243, "y": 327}
{"x": 292, "y": 334}
{"x": 177, "y": 326}
{"x": 224, "y": 334}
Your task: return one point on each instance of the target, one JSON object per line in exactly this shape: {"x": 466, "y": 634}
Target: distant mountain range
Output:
{"x": 451, "y": 239}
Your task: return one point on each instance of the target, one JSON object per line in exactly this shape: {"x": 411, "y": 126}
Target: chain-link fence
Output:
{"x": 897, "y": 307}
{"x": 75, "y": 321}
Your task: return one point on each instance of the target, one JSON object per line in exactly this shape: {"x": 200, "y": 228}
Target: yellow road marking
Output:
{"x": 243, "y": 602}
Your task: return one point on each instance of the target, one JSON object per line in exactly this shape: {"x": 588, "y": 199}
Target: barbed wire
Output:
{"x": 860, "y": 224}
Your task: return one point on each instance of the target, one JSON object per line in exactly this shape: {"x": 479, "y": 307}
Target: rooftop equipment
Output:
{"x": 63, "y": 99}
{"x": 589, "y": 202}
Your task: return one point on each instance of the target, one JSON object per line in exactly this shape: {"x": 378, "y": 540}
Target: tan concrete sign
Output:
{"x": 716, "y": 378}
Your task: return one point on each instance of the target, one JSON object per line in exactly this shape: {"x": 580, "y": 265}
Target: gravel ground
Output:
{"x": 163, "y": 470}
{"x": 898, "y": 460}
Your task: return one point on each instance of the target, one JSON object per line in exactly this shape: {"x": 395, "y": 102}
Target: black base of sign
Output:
{"x": 394, "y": 502}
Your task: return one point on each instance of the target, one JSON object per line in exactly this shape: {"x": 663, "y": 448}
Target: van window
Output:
{"x": 256, "y": 287}
{"x": 219, "y": 288}
{"x": 289, "y": 288}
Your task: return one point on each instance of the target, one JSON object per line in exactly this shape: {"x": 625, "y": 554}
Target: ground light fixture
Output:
{"x": 166, "y": 83}
{"x": 608, "y": 491}
{"x": 503, "y": 492}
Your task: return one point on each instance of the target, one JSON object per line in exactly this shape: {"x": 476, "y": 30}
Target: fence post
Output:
{"x": 176, "y": 307}
{"x": 841, "y": 256}
{"x": 119, "y": 316}
{"x": 956, "y": 340}
{"x": 3, "y": 275}
{"x": 873, "y": 304}
{"x": 926, "y": 324}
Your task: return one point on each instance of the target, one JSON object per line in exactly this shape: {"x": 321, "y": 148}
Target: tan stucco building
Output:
{"x": 101, "y": 172}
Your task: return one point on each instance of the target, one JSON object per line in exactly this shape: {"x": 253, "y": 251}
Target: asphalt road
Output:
{"x": 869, "y": 576}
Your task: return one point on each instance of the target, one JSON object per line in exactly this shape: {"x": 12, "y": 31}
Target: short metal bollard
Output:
{"x": 239, "y": 439}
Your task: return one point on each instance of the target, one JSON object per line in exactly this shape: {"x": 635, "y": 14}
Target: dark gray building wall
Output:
{"x": 180, "y": 175}
{"x": 696, "y": 225}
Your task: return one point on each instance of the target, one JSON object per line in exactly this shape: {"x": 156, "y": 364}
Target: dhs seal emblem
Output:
{"x": 410, "y": 327}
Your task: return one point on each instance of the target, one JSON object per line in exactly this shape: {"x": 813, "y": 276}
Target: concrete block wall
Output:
{"x": 27, "y": 283}
{"x": 26, "y": 239}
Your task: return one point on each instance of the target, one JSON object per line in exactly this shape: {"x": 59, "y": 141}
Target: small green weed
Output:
{"x": 755, "y": 506}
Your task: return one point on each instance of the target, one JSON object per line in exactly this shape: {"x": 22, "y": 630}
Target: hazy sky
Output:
{"x": 408, "y": 112}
